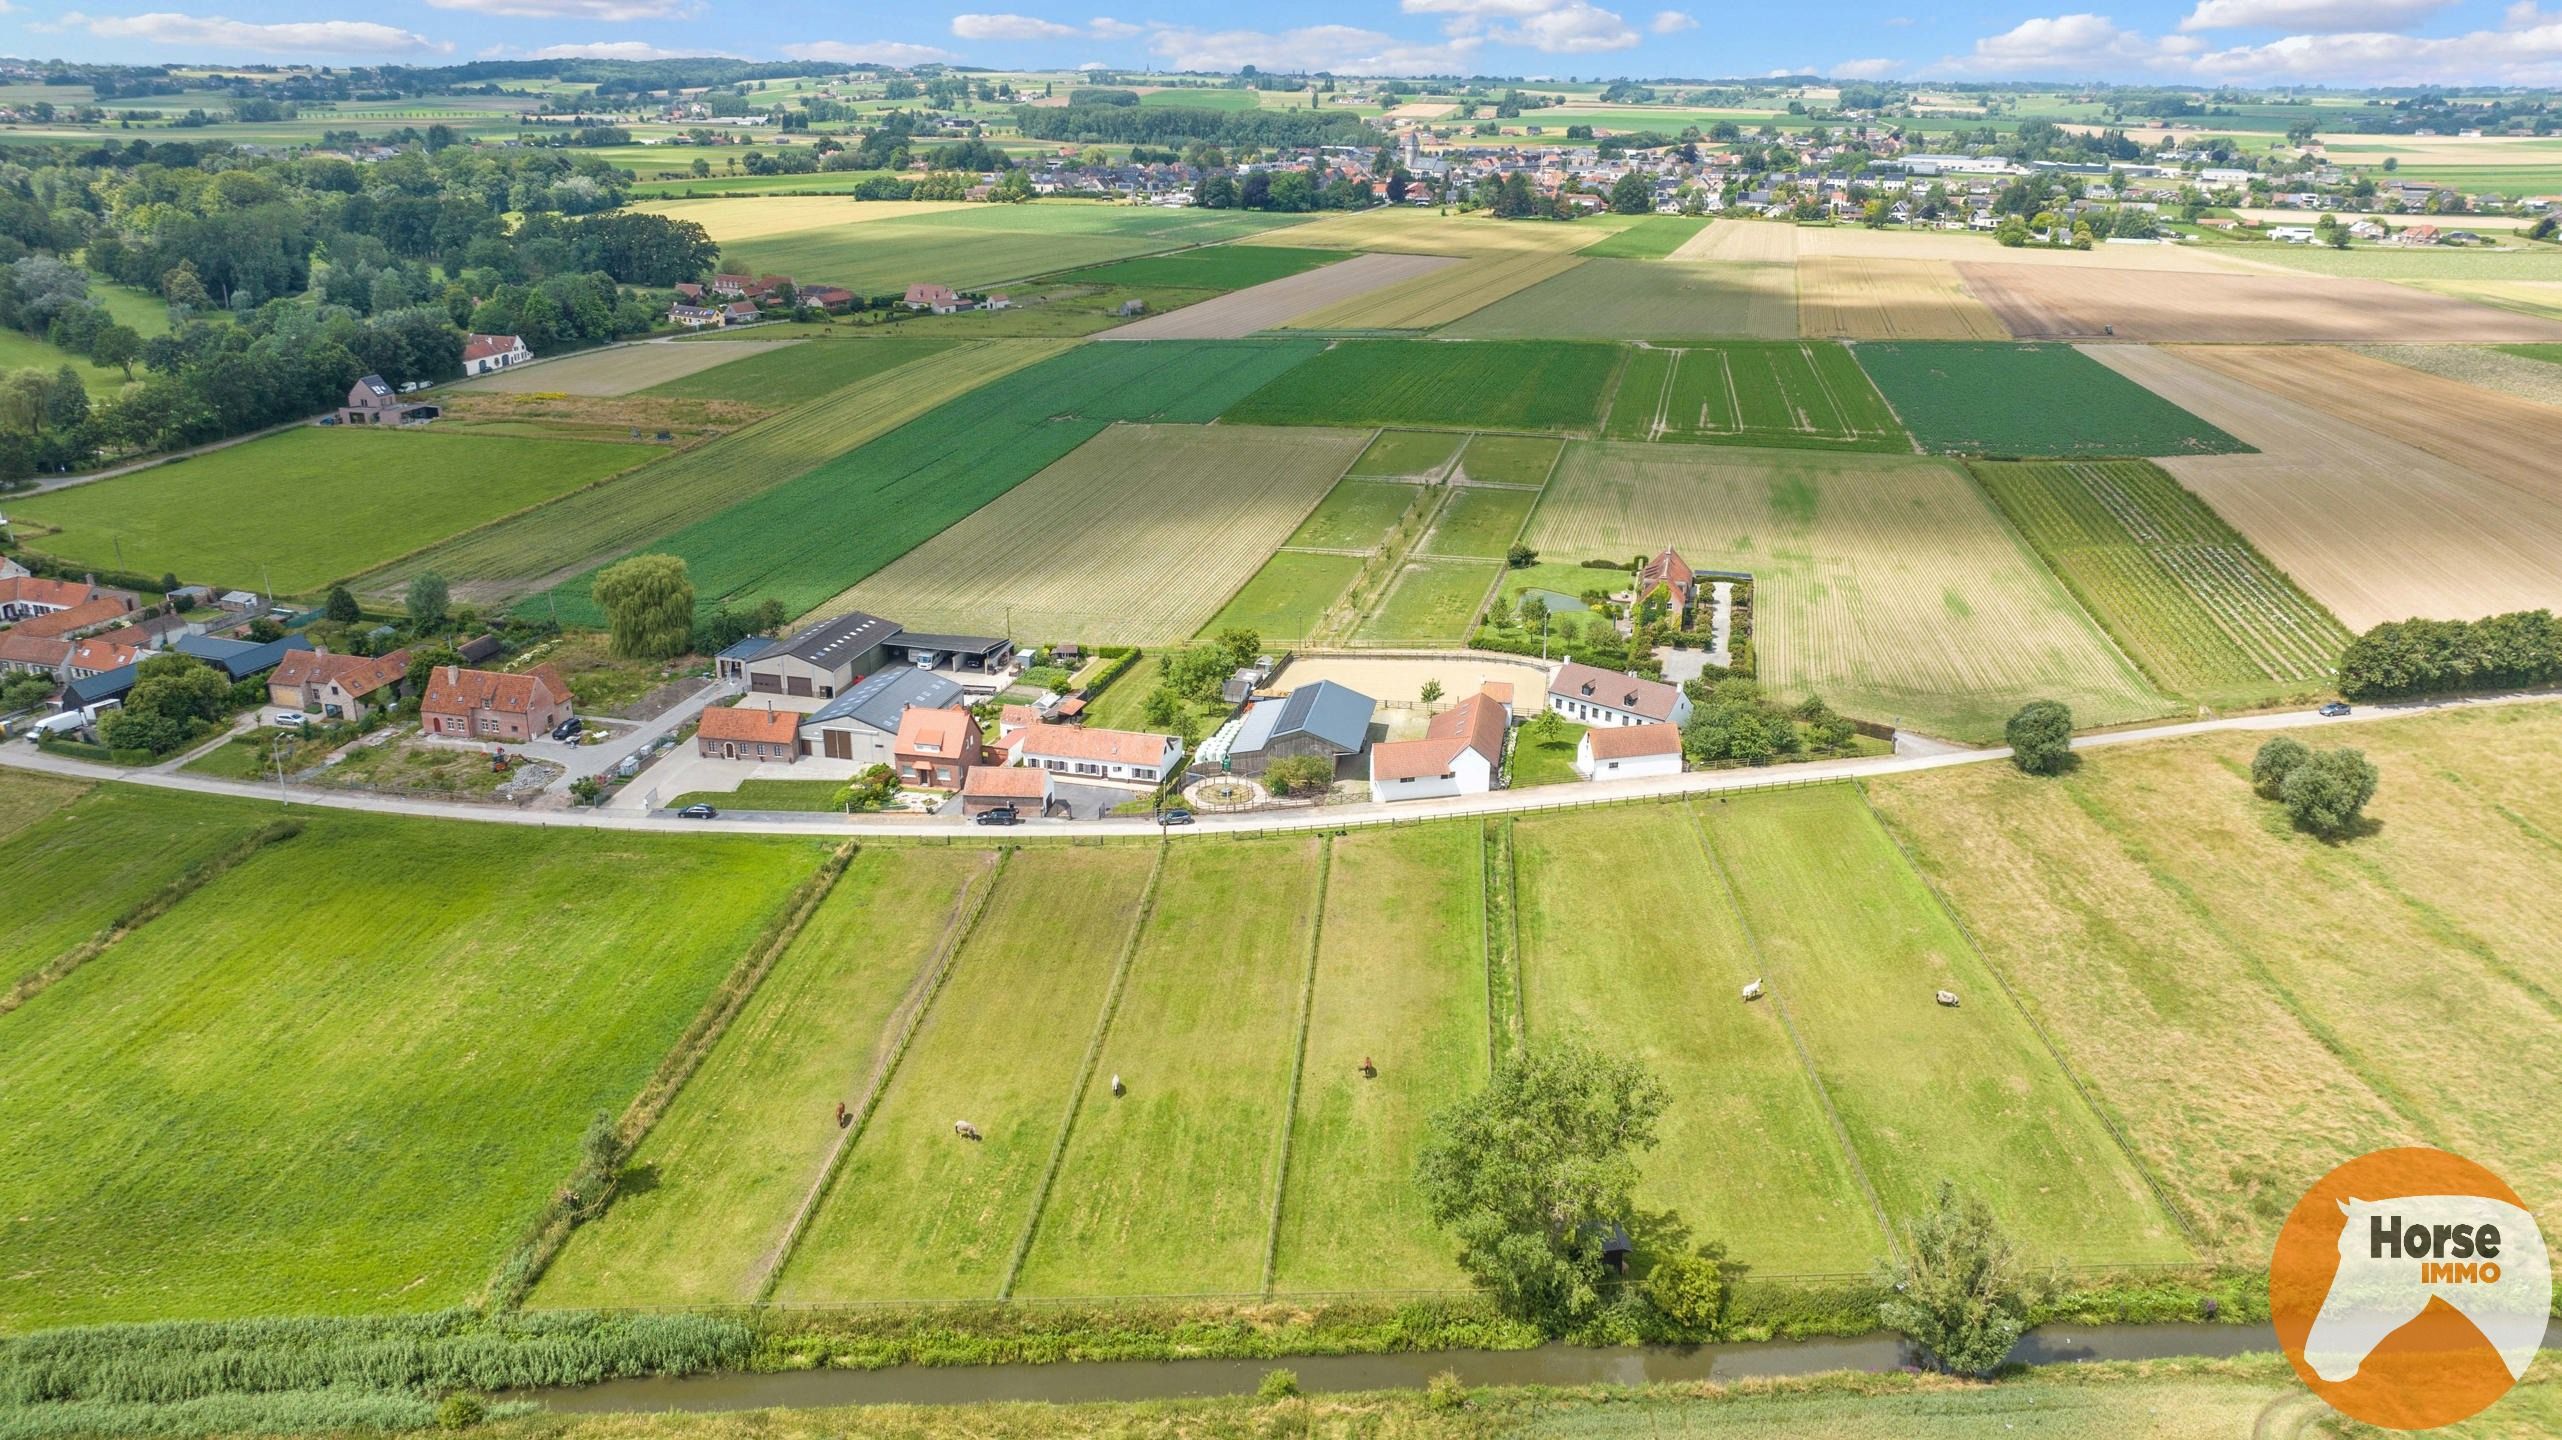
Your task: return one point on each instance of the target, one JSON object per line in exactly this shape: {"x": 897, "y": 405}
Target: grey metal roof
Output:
{"x": 748, "y": 647}
{"x": 958, "y": 644}
{"x": 238, "y": 659}
{"x": 105, "y": 685}
{"x": 885, "y": 695}
{"x": 841, "y": 640}
{"x": 1336, "y": 714}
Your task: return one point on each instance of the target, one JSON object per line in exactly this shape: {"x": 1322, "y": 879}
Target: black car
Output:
{"x": 1176, "y": 816}
{"x": 698, "y": 812}
{"x": 2336, "y": 709}
{"x": 1001, "y": 815}
{"x": 568, "y": 727}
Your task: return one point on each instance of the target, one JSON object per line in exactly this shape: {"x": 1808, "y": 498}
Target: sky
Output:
{"x": 2241, "y": 42}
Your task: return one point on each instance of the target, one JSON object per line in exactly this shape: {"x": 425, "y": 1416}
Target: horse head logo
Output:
{"x": 2484, "y": 1257}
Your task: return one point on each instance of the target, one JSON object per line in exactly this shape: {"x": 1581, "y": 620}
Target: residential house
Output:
{"x": 1019, "y": 788}
{"x": 819, "y": 661}
{"x": 105, "y": 609}
{"x": 485, "y": 353}
{"x": 1590, "y": 695}
{"x": 25, "y": 597}
{"x": 1672, "y": 574}
{"x": 692, "y": 317}
{"x": 34, "y": 655}
{"x": 1626, "y": 752}
{"x": 740, "y": 312}
{"x": 731, "y": 284}
{"x": 835, "y": 299}
{"x": 338, "y": 687}
{"x": 939, "y": 299}
{"x": 1323, "y": 718}
{"x": 689, "y": 291}
{"x": 749, "y": 732}
{"x": 1129, "y": 756}
{"x": 1460, "y": 753}
{"x": 493, "y": 705}
{"x": 99, "y": 654}
{"x": 935, "y": 748}
{"x": 373, "y": 401}
{"x": 862, "y": 724}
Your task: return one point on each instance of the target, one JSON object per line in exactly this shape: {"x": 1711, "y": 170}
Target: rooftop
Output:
{"x": 885, "y": 695}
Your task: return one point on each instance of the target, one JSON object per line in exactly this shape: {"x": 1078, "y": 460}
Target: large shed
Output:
{"x": 1322, "y": 718}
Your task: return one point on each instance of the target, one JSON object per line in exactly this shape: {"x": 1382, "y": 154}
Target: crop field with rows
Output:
{"x": 1446, "y": 294}
{"x": 2200, "y": 609}
{"x": 1962, "y": 398}
{"x": 1808, "y": 395}
{"x": 1497, "y": 385}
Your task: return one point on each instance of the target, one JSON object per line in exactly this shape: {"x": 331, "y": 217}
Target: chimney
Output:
{"x": 453, "y": 674}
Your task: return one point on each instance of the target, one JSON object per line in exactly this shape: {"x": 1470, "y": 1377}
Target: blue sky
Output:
{"x": 2339, "y": 42}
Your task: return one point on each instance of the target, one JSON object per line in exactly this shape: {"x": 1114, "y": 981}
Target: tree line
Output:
{"x": 2423, "y": 657}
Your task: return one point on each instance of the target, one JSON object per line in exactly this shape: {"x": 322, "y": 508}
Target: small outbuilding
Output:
{"x": 1628, "y": 752}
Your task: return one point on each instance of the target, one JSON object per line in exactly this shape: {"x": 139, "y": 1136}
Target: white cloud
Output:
{"x": 2527, "y": 52}
{"x": 1094, "y": 65}
{"x": 1865, "y": 69}
{"x": 216, "y": 32}
{"x": 1555, "y": 27}
{"x": 2062, "y": 46}
{"x": 596, "y": 10}
{"x": 1010, "y": 27}
{"x": 620, "y": 50}
{"x": 1345, "y": 49}
{"x": 1111, "y": 29}
{"x": 1672, "y": 22}
{"x": 869, "y": 52}
{"x": 2299, "y": 17}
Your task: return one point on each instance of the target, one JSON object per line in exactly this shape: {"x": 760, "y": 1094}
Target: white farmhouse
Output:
{"x": 1460, "y": 753}
{"x": 1628, "y": 752}
{"x": 1590, "y": 695}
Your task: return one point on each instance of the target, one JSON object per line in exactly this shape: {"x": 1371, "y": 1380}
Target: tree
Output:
{"x": 2012, "y": 232}
{"x": 1690, "y": 1290}
{"x": 2041, "y": 737}
{"x": 649, "y": 606}
{"x": 117, "y": 345}
{"x": 184, "y": 289}
{"x": 1964, "y": 1295}
{"x": 1520, "y": 557}
{"x": 427, "y": 600}
{"x": 1631, "y": 195}
{"x": 342, "y": 606}
{"x": 2275, "y": 761}
{"x": 1299, "y": 775}
{"x": 2327, "y": 794}
{"x": 1532, "y": 1172}
{"x": 172, "y": 695}
{"x": 1430, "y": 693}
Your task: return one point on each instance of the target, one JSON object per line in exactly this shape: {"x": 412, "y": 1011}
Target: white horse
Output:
{"x": 965, "y": 1130}
{"x": 2384, "y": 1283}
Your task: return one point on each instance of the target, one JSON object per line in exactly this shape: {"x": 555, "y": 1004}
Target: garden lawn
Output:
{"x": 1982, "y": 398}
{"x": 792, "y": 543}
{"x": 283, "y": 513}
{"x": 1356, "y": 513}
{"x": 917, "y": 1211}
{"x": 1211, "y": 268}
{"x": 1286, "y": 598}
{"x": 1510, "y": 385}
{"x": 1855, "y": 945}
{"x": 1433, "y": 602}
{"x": 1169, "y": 1188}
{"x": 22, "y": 351}
{"x": 1400, "y": 983}
{"x": 803, "y": 371}
{"x": 1784, "y": 1200}
{"x": 346, "y": 1075}
{"x": 1479, "y": 522}
{"x": 794, "y": 796}
{"x": 1407, "y": 453}
{"x": 74, "y": 871}
{"x": 1651, "y": 238}
{"x": 1510, "y": 459}
{"x": 721, "y": 1174}
{"x": 1546, "y": 762}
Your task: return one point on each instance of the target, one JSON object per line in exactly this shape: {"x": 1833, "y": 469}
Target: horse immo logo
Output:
{"x": 2410, "y": 1288}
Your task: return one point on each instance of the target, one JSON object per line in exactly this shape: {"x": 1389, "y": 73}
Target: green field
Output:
{"x": 979, "y": 246}
{"x": 791, "y": 796}
{"x": 1288, "y": 596}
{"x": 1510, "y": 459}
{"x": 278, "y": 514}
{"x": 789, "y": 543}
{"x": 752, "y": 1132}
{"x": 1652, "y": 238}
{"x": 1971, "y": 398}
{"x": 1204, "y": 99}
{"x": 1802, "y": 394}
{"x": 95, "y": 857}
{"x": 795, "y": 374}
{"x": 1355, "y": 514}
{"x": 1211, "y": 268}
{"x": 1514, "y": 385}
{"x": 2425, "y": 262}
{"x": 505, "y": 559}
{"x": 1479, "y": 522}
{"x": 2186, "y": 595}
{"x": 344, "y": 1076}
{"x": 1650, "y": 300}
{"x": 1407, "y": 452}
{"x": 27, "y": 797}
{"x": 2549, "y": 354}
{"x": 1433, "y": 602}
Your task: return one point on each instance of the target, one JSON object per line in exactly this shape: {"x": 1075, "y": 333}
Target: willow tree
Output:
{"x": 649, "y": 606}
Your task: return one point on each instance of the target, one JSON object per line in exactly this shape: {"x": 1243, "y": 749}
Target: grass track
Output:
{"x": 1287, "y": 597}
{"x": 1510, "y": 459}
{"x": 1407, "y": 453}
{"x": 1479, "y": 523}
{"x": 1433, "y": 602}
{"x": 1355, "y": 513}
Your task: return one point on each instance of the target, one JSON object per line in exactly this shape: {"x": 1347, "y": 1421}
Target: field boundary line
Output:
{"x": 2010, "y": 992}
{"x": 1085, "y": 1073}
{"x": 142, "y": 912}
{"x": 2027, "y": 553}
{"x": 1298, "y": 1063}
{"x": 968, "y": 906}
{"x": 1788, "y": 1022}
{"x": 2447, "y": 929}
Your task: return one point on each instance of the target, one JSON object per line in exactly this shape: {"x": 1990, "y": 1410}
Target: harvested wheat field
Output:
{"x": 1240, "y": 313}
{"x": 2491, "y": 369}
{"x": 1847, "y": 299}
{"x": 2374, "y": 529}
{"x": 1744, "y": 241}
{"x": 2540, "y": 298}
{"x": 729, "y": 218}
{"x": 1422, "y": 232}
{"x": 2159, "y": 306}
{"x": 618, "y": 371}
{"x": 1438, "y": 298}
{"x": 1857, "y": 243}
{"x": 2517, "y": 442}
{"x": 1138, "y": 536}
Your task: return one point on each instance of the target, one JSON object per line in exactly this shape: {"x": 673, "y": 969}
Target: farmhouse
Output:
{"x": 33, "y": 655}
{"x": 1626, "y": 752}
{"x": 1671, "y": 574}
{"x": 862, "y": 725}
{"x": 24, "y": 596}
{"x": 492, "y": 705}
{"x": 1005, "y": 787}
{"x": 1126, "y": 755}
{"x": 1590, "y": 695}
{"x": 744, "y": 732}
{"x": 106, "y": 609}
{"x": 935, "y": 748}
{"x": 341, "y": 687}
{"x": 483, "y": 354}
{"x": 373, "y": 401}
{"x": 939, "y": 299}
{"x": 1459, "y": 754}
{"x": 99, "y": 654}
{"x": 1320, "y": 719}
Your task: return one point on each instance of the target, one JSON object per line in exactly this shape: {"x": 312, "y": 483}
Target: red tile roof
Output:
{"x": 1623, "y": 742}
{"x": 452, "y": 690}
{"x": 949, "y": 731}
{"x": 482, "y": 347}
{"x": 1476, "y": 723}
{"x": 98, "y": 652}
{"x": 83, "y": 616}
{"x": 746, "y": 724}
{"x": 38, "y": 590}
{"x": 990, "y": 782}
{"x": 1071, "y": 742}
{"x": 17, "y": 648}
{"x": 356, "y": 674}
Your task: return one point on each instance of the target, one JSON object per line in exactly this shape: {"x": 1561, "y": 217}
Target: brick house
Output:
{"x": 374, "y": 401}
{"x": 1672, "y": 574}
{"x": 337, "y": 687}
{"x": 491, "y": 705}
{"x": 1006, "y": 787}
{"x": 935, "y": 748}
{"x": 485, "y": 353}
{"x": 748, "y": 732}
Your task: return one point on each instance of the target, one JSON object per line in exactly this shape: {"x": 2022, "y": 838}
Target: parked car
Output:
{"x": 2336, "y": 709}
{"x": 1174, "y": 816}
{"x": 698, "y": 811}
{"x": 1002, "y": 815}
{"x": 289, "y": 720}
{"x": 567, "y": 728}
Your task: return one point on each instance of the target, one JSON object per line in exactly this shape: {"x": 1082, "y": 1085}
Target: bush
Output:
{"x": 460, "y": 1411}
{"x": 1277, "y": 1385}
{"x": 1299, "y": 775}
{"x": 2041, "y": 737}
{"x": 2326, "y": 795}
{"x": 1690, "y": 1290}
{"x": 1444, "y": 1393}
{"x": 2275, "y": 761}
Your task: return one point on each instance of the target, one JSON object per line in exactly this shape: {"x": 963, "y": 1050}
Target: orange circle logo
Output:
{"x": 2410, "y": 1288}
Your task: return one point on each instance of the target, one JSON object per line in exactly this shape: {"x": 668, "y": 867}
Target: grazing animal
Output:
{"x": 1118, "y": 1089}
{"x": 842, "y": 1117}
{"x": 966, "y": 1130}
{"x": 1946, "y": 997}
{"x": 1368, "y": 1070}
{"x": 1752, "y": 992}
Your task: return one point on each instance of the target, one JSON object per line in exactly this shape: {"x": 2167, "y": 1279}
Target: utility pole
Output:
{"x": 276, "y": 752}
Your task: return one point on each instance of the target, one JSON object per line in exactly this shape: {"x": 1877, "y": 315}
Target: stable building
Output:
{"x": 1323, "y": 718}
{"x": 1461, "y": 753}
{"x": 862, "y": 725}
{"x": 1628, "y": 752}
{"x": 819, "y": 662}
